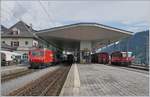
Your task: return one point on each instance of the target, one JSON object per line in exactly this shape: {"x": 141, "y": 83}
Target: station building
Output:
{"x": 82, "y": 39}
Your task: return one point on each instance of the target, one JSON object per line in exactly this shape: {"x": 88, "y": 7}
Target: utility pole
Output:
{"x": 147, "y": 50}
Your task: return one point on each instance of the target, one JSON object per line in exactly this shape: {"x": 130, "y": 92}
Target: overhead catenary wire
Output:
{"x": 19, "y": 19}
{"x": 24, "y": 8}
{"x": 14, "y": 16}
{"x": 48, "y": 15}
{"x": 44, "y": 10}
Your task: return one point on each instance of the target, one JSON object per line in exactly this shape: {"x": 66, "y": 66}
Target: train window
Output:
{"x": 25, "y": 56}
{"x": 38, "y": 53}
{"x": 26, "y": 43}
{"x": 14, "y": 43}
{"x": 3, "y": 41}
{"x": 18, "y": 57}
{"x": 124, "y": 54}
{"x": 13, "y": 57}
{"x": 3, "y": 56}
{"x": 129, "y": 54}
{"x": 116, "y": 55}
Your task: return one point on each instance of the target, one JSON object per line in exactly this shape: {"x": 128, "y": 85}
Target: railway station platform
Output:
{"x": 104, "y": 80}
{"x": 7, "y": 70}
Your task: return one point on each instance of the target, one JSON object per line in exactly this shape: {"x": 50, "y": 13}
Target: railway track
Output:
{"x": 15, "y": 75}
{"x": 139, "y": 67}
{"x": 132, "y": 68}
{"x": 48, "y": 85}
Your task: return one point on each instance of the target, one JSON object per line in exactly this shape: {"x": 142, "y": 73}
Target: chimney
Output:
{"x": 30, "y": 26}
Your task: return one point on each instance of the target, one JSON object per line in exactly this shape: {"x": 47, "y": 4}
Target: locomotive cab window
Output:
{"x": 129, "y": 54}
{"x": 124, "y": 54}
{"x": 37, "y": 53}
{"x": 26, "y": 43}
{"x": 116, "y": 55}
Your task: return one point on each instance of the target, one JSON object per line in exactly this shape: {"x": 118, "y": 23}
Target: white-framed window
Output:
{"x": 25, "y": 56}
{"x": 26, "y": 42}
{"x": 14, "y": 43}
{"x": 3, "y": 41}
{"x": 35, "y": 43}
{"x": 15, "y": 31}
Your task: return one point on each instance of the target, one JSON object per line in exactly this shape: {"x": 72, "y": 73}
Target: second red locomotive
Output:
{"x": 121, "y": 58}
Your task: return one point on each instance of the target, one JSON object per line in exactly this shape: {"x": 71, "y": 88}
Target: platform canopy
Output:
{"x": 70, "y": 36}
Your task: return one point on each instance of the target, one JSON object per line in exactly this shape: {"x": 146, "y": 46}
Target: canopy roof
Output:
{"x": 69, "y": 36}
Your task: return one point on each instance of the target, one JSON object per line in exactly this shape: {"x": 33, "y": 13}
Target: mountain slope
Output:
{"x": 138, "y": 44}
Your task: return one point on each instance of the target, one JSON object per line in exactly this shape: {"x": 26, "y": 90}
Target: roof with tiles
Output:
{"x": 23, "y": 31}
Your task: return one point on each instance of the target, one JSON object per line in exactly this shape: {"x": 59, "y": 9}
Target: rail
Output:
{"x": 48, "y": 85}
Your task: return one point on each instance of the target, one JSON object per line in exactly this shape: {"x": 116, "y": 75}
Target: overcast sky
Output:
{"x": 128, "y": 15}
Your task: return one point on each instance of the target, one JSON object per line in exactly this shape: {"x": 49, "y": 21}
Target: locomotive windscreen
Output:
{"x": 116, "y": 54}
{"x": 129, "y": 54}
{"x": 124, "y": 54}
{"x": 37, "y": 53}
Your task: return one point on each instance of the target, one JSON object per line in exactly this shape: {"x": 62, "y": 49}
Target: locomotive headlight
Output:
{"x": 51, "y": 55}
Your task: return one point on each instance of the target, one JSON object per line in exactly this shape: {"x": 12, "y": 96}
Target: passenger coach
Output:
{"x": 103, "y": 58}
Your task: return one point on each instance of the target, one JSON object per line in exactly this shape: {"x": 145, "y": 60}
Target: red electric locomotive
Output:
{"x": 41, "y": 57}
{"x": 121, "y": 58}
{"x": 103, "y": 58}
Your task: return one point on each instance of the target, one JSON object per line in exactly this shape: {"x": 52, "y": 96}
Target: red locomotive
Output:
{"x": 121, "y": 58}
{"x": 41, "y": 57}
{"x": 103, "y": 58}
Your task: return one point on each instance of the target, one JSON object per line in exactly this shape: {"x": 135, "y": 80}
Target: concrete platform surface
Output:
{"x": 103, "y": 80}
{"x": 72, "y": 83}
{"x": 6, "y": 70}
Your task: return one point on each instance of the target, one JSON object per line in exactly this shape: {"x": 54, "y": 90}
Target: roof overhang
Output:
{"x": 69, "y": 36}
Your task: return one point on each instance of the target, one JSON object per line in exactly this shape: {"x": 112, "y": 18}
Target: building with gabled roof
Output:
{"x": 20, "y": 29}
{"x": 4, "y": 29}
{"x": 19, "y": 36}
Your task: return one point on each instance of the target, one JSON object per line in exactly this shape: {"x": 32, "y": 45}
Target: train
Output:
{"x": 121, "y": 58}
{"x": 42, "y": 57}
{"x": 115, "y": 58}
{"x": 39, "y": 58}
{"x": 102, "y": 58}
{"x": 9, "y": 58}
{"x": 46, "y": 57}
